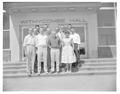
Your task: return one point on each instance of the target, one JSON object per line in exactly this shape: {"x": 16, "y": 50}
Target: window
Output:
{"x": 6, "y": 39}
{"x": 107, "y": 32}
{"x": 6, "y": 32}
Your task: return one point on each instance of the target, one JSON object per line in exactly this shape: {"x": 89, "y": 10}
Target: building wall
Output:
{"x": 90, "y": 17}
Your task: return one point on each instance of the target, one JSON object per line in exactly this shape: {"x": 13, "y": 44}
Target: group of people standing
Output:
{"x": 63, "y": 42}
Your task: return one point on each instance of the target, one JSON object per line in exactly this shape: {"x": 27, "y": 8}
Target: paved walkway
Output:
{"x": 62, "y": 83}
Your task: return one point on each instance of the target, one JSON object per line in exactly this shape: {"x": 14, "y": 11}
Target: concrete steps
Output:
{"x": 88, "y": 67}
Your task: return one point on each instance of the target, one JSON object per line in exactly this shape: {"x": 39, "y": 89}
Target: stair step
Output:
{"x": 97, "y": 71}
{"x": 13, "y": 64}
{"x": 14, "y": 71}
{"x": 98, "y": 66}
{"x": 99, "y": 63}
{"x": 14, "y": 67}
{"x": 15, "y": 75}
{"x": 100, "y": 60}
{"x": 95, "y": 65}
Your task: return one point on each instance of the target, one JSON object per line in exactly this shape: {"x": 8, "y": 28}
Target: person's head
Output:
{"x": 61, "y": 26}
{"x": 45, "y": 26}
{"x": 72, "y": 30}
{"x": 41, "y": 30}
{"x": 67, "y": 33}
{"x": 69, "y": 26}
{"x": 35, "y": 31}
{"x": 53, "y": 32}
{"x": 37, "y": 26}
{"x": 30, "y": 31}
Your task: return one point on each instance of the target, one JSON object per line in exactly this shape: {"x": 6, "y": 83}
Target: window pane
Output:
{"x": 6, "y": 40}
{"x": 5, "y": 21}
{"x": 107, "y": 36}
{"x": 106, "y": 18}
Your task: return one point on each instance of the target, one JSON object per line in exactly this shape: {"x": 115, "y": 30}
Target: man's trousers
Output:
{"x": 30, "y": 53}
{"x": 55, "y": 57}
{"x": 42, "y": 56}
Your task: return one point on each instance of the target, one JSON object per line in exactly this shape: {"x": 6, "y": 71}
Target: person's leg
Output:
{"x": 70, "y": 68}
{"x": 33, "y": 59}
{"x": 57, "y": 58}
{"x": 67, "y": 67}
{"x": 29, "y": 61}
{"x": 45, "y": 59}
{"x": 39, "y": 59}
{"x": 52, "y": 60}
{"x": 76, "y": 53}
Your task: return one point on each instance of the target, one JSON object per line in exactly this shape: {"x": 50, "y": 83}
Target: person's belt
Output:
{"x": 30, "y": 45}
{"x": 55, "y": 47}
{"x": 44, "y": 46}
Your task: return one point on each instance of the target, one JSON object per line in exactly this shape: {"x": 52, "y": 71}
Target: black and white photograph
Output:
{"x": 59, "y": 46}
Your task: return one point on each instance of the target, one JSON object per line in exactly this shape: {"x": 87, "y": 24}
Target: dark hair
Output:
{"x": 70, "y": 24}
{"x": 46, "y": 24}
{"x": 37, "y": 26}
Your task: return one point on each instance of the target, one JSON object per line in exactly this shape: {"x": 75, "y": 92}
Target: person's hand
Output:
{"x": 25, "y": 53}
{"x": 78, "y": 47}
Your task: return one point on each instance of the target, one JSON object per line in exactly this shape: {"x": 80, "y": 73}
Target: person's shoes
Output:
{"x": 38, "y": 74}
{"x": 45, "y": 73}
{"x": 33, "y": 73}
{"x": 69, "y": 72}
{"x": 51, "y": 72}
{"x": 57, "y": 71}
{"x": 29, "y": 75}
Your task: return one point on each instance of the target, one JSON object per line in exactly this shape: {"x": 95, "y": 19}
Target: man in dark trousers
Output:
{"x": 76, "y": 40}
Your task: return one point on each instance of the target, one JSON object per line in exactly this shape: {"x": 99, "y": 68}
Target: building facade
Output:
{"x": 94, "y": 22}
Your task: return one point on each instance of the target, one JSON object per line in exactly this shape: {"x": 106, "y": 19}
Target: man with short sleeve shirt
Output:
{"x": 77, "y": 42}
{"x": 41, "y": 44}
{"x": 29, "y": 50}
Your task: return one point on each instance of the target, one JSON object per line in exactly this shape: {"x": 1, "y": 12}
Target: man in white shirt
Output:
{"x": 41, "y": 44}
{"x": 29, "y": 50}
{"x": 77, "y": 42}
{"x": 60, "y": 33}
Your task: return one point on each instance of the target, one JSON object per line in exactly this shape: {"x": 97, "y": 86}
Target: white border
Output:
{"x": 118, "y": 44}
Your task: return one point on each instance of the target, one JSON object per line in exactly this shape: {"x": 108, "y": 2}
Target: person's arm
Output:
{"x": 24, "y": 46}
{"x": 36, "y": 42}
{"x": 49, "y": 43}
{"x": 79, "y": 42}
{"x": 62, "y": 43}
{"x": 72, "y": 43}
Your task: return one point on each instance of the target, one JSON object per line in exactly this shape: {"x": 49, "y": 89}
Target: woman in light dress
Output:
{"x": 68, "y": 55}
